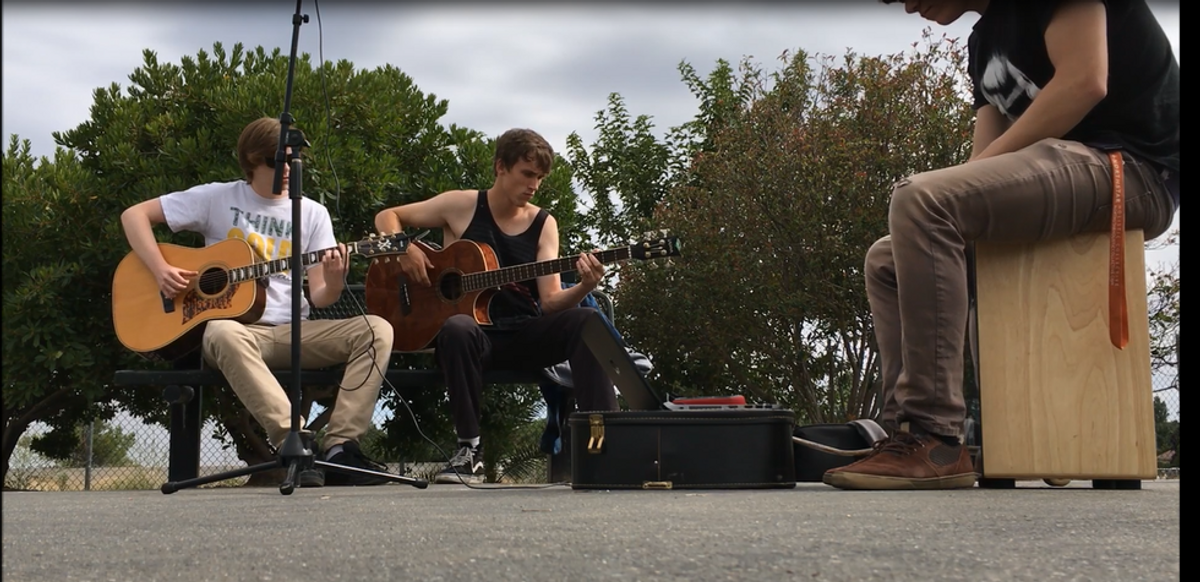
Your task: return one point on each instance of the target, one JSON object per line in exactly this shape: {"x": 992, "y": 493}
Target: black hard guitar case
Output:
{"x": 651, "y": 446}
{"x": 682, "y": 449}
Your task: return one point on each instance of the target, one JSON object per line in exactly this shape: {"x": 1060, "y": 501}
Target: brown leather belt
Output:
{"x": 1118, "y": 315}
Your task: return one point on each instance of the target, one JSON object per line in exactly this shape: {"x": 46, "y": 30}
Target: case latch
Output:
{"x": 596, "y": 442}
{"x": 657, "y": 484}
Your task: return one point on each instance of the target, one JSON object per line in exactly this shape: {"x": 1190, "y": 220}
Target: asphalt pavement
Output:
{"x": 452, "y": 533}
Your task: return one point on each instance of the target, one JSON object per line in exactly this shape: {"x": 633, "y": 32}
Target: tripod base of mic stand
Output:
{"x": 294, "y": 456}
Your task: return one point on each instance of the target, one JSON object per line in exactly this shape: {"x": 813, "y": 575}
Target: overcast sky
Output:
{"x": 546, "y": 66}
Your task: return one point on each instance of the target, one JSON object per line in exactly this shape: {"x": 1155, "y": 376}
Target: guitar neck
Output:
{"x": 527, "y": 271}
{"x": 274, "y": 266}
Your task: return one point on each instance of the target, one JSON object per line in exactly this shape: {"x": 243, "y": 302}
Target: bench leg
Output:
{"x": 184, "y": 461}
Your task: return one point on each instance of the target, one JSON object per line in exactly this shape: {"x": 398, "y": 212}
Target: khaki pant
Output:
{"x": 916, "y": 277}
{"x": 245, "y": 354}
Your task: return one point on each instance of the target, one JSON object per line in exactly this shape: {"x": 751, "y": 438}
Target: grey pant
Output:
{"x": 916, "y": 277}
{"x": 245, "y": 354}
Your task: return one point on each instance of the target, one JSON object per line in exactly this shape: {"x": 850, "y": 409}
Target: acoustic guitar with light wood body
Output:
{"x": 465, "y": 276}
{"x": 231, "y": 283}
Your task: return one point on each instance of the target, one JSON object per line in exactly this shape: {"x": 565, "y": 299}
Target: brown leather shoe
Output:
{"x": 907, "y": 461}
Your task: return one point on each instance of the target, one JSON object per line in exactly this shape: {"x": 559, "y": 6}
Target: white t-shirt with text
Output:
{"x": 223, "y": 210}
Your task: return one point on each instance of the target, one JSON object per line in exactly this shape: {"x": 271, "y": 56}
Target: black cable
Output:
{"x": 337, "y": 185}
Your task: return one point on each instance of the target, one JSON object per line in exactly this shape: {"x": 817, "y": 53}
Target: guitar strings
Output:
{"x": 497, "y": 277}
{"x": 217, "y": 275}
{"x": 307, "y": 259}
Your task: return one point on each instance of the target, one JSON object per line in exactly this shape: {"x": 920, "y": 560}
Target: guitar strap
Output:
{"x": 1118, "y": 314}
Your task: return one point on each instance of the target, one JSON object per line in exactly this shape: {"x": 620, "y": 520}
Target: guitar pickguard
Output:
{"x": 194, "y": 304}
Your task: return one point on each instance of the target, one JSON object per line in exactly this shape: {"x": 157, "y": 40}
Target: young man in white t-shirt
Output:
{"x": 249, "y": 210}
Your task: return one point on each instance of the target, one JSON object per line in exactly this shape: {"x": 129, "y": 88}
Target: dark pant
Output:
{"x": 916, "y": 277}
{"x": 465, "y": 351}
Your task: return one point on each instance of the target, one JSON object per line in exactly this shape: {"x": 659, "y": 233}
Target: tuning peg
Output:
{"x": 664, "y": 232}
{"x": 648, "y": 234}
{"x": 653, "y": 265}
{"x": 374, "y": 261}
{"x": 669, "y": 263}
{"x": 387, "y": 259}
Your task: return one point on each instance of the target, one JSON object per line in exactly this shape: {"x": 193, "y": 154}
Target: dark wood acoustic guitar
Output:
{"x": 465, "y": 276}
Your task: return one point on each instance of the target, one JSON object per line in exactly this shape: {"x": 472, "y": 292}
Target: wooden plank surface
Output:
{"x": 1057, "y": 399}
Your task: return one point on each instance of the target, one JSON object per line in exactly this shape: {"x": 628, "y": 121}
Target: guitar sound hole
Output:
{"x": 213, "y": 281}
{"x": 450, "y": 286}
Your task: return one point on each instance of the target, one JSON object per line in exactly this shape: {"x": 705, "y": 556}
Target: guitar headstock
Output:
{"x": 655, "y": 246}
{"x": 382, "y": 245}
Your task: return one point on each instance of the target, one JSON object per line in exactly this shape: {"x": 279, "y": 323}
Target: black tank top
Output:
{"x": 510, "y": 306}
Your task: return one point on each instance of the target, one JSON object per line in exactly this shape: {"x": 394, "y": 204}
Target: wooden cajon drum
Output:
{"x": 1057, "y": 400}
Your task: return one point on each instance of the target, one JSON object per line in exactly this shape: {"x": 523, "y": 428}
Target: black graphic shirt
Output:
{"x": 1009, "y": 65}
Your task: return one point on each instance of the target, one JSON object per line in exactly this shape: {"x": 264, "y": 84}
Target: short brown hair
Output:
{"x": 257, "y": 144}
{"x": 523, "y": 144}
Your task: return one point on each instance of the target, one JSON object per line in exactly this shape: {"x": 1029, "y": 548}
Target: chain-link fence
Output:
{"x": 1166, "y": 423}
{"x": 126, "y": 453}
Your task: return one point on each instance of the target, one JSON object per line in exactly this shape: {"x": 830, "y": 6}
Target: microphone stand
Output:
{"x": 292, "y": 454}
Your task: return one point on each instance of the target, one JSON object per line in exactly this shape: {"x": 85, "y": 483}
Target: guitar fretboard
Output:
{"x": 506, "y": 275}
{"x": 273, "y": 266}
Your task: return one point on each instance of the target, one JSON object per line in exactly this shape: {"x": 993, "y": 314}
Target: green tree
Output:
{"x": 377, "y": 141}
{"x": 625, "y": 173}
{"x": 58, "y": 347}
{"x": 1163, "y": 308}
{"x": 787, "y": 189}
{"x": 25, "y": 464}
{"x": 1166, "y": 432}
{"x": 110, "y": 446}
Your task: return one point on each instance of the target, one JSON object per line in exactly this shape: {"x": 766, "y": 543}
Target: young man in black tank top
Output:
{"x": 539, "y": 322}
{"x": 1058, "y": 85}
